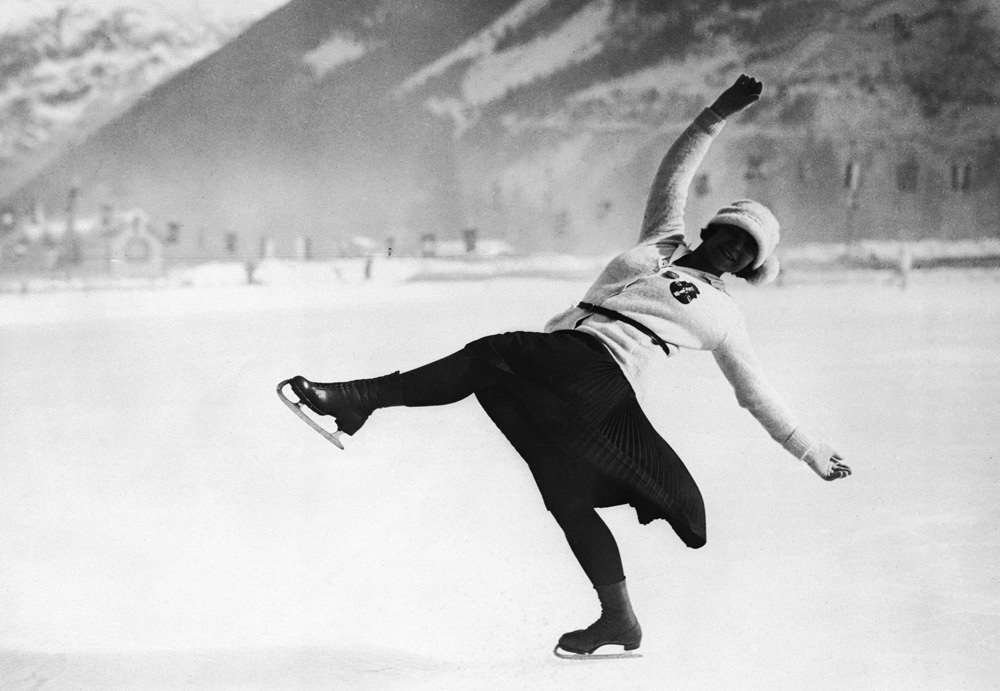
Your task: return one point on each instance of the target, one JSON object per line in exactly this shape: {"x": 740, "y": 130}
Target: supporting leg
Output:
{"x": 597, "y": 551}
{"x": 568, "y": 489}
{"x": 617, "y": 624}
{"x": 592, "y": 542}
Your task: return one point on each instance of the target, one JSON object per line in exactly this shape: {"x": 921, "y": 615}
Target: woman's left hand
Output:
{"x": 827, "y": 463}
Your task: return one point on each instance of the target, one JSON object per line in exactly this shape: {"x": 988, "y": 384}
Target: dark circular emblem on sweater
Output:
{"x": 684, "y": 292}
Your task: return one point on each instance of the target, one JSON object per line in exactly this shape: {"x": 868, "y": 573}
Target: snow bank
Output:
{"x": 387, "y": 270}
{"x": 800, "y": 259}
{"x": 877, "y": 254}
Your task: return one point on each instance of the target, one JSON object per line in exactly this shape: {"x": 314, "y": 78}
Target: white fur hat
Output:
{"x": 756, "y": 219}
{"x": 760, "y": 222}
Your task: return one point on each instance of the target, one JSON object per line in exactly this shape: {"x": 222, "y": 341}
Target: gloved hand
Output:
{"x": 742, "y": 93}
{"x": 826, "y": 462}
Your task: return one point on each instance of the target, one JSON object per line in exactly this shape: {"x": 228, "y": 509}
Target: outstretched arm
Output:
{"x": 739, "y": 363}
{"x": 668, "y": 193}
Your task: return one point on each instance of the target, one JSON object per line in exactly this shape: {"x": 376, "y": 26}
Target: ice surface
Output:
{"x": 165, "y": 522}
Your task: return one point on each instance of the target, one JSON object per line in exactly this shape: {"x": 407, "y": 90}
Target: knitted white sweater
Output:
{"x": 685, "y": 307}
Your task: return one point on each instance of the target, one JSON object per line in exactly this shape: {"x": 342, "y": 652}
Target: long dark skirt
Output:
{"x": 590, "y": 437}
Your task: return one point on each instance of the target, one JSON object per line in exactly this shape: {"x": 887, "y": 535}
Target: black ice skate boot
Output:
{"x": 351, "y": 402}
{"x": 616, "y": 626}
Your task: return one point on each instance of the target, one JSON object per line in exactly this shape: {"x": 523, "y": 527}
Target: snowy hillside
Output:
{"x": 607, "y": 57}
{"x": 565, "y": 108}
{"x": 66, "y": 68}
{"x": 539, "y": 123}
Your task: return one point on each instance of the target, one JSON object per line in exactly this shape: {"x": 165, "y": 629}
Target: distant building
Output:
{"x": 120, "y": 244}
{"x": 132, "y": 249}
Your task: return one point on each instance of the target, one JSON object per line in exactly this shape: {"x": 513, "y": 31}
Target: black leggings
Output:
{"x": 457, "y": 376}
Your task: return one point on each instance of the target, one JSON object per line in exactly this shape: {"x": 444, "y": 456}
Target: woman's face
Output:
{"x": 729, "y": 249}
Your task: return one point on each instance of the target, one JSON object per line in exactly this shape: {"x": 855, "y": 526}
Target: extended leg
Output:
{"x": 444, "y": 381}
{"x": 350, "y": 403}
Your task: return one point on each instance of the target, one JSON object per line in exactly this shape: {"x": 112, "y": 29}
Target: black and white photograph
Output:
{"x": 522, "y": 344}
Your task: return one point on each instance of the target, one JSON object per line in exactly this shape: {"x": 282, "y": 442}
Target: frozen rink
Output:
{"x": 166, "y": 523}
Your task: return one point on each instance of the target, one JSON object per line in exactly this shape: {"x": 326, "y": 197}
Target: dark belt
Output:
{"x": 612, "y": 314}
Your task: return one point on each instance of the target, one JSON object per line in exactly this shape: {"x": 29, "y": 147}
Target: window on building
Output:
{"x": 173, "y": 232}
{"x": 852, "y": 175}
{"x": 961, "y": 177}
{"x": 907, "y": 175}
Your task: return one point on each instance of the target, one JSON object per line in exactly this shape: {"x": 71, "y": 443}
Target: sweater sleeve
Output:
{"x": 668, "y": 193}
{"x": 738, "y": 361}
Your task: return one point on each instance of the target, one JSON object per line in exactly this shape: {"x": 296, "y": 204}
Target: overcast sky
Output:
{"x": 13, "y": 12}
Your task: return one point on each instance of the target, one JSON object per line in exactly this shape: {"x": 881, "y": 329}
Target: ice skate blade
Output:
{"x": 619, "y": 654}
{"x": 296, "y": 407}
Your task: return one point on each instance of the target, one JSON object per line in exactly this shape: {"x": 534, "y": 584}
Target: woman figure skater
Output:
{"x": 566, "y": 400}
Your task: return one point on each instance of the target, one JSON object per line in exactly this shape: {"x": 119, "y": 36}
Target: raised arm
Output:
{"x": 668, "y": 194}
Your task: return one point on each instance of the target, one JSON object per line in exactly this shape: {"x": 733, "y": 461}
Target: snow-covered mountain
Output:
{"x": 541, "y": 121}
{"x": 68, "y": 68}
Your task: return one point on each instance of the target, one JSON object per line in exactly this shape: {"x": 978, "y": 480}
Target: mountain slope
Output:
{"x": 869, "y": 82}
{"x": 68, "y": 71}
{"x": 542, "y": 121}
